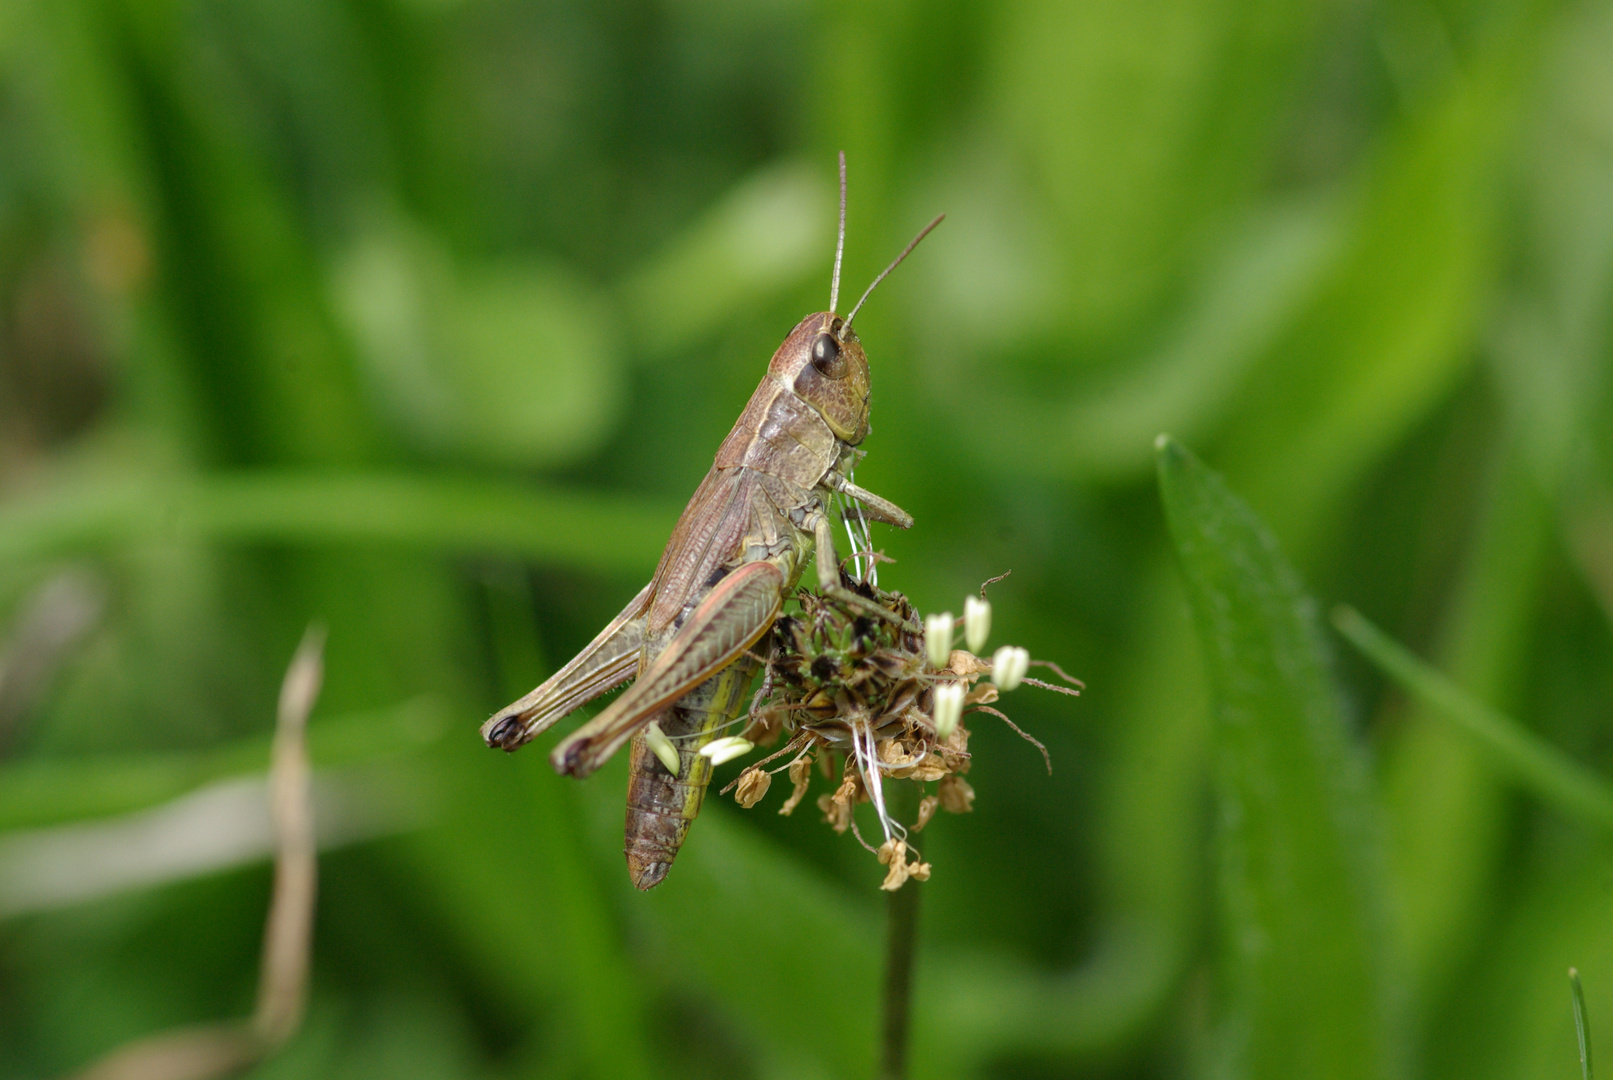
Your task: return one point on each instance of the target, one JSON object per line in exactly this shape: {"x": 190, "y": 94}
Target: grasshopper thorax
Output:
{"x": 824, "y": 364}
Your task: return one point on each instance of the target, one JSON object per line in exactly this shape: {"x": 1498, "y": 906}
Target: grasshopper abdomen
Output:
{"x": 660, "y": 806}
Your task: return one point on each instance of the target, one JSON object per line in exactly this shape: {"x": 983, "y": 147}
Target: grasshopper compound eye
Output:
{"x": 826, "y": 357}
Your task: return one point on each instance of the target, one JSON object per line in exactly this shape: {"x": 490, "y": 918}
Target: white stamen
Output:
{"x": 938, "y": 638}
{"x": 1008, "y": 666}
{"x": 721, "y": 750}
{"x": 851, "y": 537}
{"x": 948, "y": 709}
{"x": 863, "y": 565}
{"x": 976, "y": 622}
{"x": 661, "y": 746}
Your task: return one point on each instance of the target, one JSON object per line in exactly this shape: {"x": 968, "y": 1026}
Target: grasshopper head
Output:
{"x": 824, "y": 363}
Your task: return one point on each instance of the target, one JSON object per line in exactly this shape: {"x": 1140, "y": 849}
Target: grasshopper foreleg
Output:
{"x": 765, "y": 690}
{"x": 878, "y": 509}
{"x": 829, "y": 572}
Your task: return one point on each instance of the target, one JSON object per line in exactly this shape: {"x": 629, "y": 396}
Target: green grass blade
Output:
{"x": 1581, "y": 1028}
{"x": 1304, "y": 988}
{"x": 461, "y": 513}
{"x": 1543, "y": 769}
{"x": 43, "y": 791}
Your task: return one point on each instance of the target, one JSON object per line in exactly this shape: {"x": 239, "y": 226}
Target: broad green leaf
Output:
{"x": 1304, "y": 981}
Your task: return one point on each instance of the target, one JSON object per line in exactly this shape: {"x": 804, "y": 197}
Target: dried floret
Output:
{"x": 835, "y": 814}
{"x": 956, "y": 796}
{"x": 927, "y": 807}
{"x": 851, "y": 791}
{"x": 801, "y": 777}
{"x": 753, "y": 784}
{"x": 893, "y": 853}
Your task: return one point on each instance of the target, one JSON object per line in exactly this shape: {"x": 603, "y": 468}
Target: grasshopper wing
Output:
{"x": 739, "y": 610}
{"x": 606, "y": 663}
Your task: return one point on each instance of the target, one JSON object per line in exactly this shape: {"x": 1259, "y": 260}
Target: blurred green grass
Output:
{"x": 424, "y": 317}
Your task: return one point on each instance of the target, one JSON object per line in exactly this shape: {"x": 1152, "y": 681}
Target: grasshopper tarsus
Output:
{"x": 505, "y": 733}
{"x": 855, "y": 600}
{"x": 565, "y": 760}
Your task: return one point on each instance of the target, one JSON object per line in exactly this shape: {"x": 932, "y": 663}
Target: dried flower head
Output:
{"x": 884, "y": 699}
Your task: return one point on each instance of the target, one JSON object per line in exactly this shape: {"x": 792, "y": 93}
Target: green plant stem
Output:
{"x": 902, "y": 920}
{"x": 902, "y": 911}
{"x": 1540, "y": 766}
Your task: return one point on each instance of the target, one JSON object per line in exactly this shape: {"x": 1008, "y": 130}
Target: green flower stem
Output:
{"x": 902, "y": 920}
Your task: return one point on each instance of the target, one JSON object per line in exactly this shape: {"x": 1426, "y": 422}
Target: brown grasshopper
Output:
{"x": 736, "y": 553}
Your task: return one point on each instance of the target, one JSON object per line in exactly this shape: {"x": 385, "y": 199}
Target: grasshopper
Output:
{"x": 735, "y": 554}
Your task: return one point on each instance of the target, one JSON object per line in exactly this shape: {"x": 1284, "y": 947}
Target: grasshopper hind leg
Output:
{"x": 604, "y": 664}
{"x": 737, "y": 611}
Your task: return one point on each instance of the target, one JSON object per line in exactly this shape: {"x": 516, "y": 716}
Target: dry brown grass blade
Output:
{"x": 283, "y": 981}
{"x": 198, "y": 1053}
{"x": 216, "y": 1050}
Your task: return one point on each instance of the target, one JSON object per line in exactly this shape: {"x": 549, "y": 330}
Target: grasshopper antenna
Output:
{"x": 840, "y": 238}
{"x": 883, "y": 274}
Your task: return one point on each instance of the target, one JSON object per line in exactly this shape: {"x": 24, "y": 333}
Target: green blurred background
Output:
{"x": 424, "y": 317}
